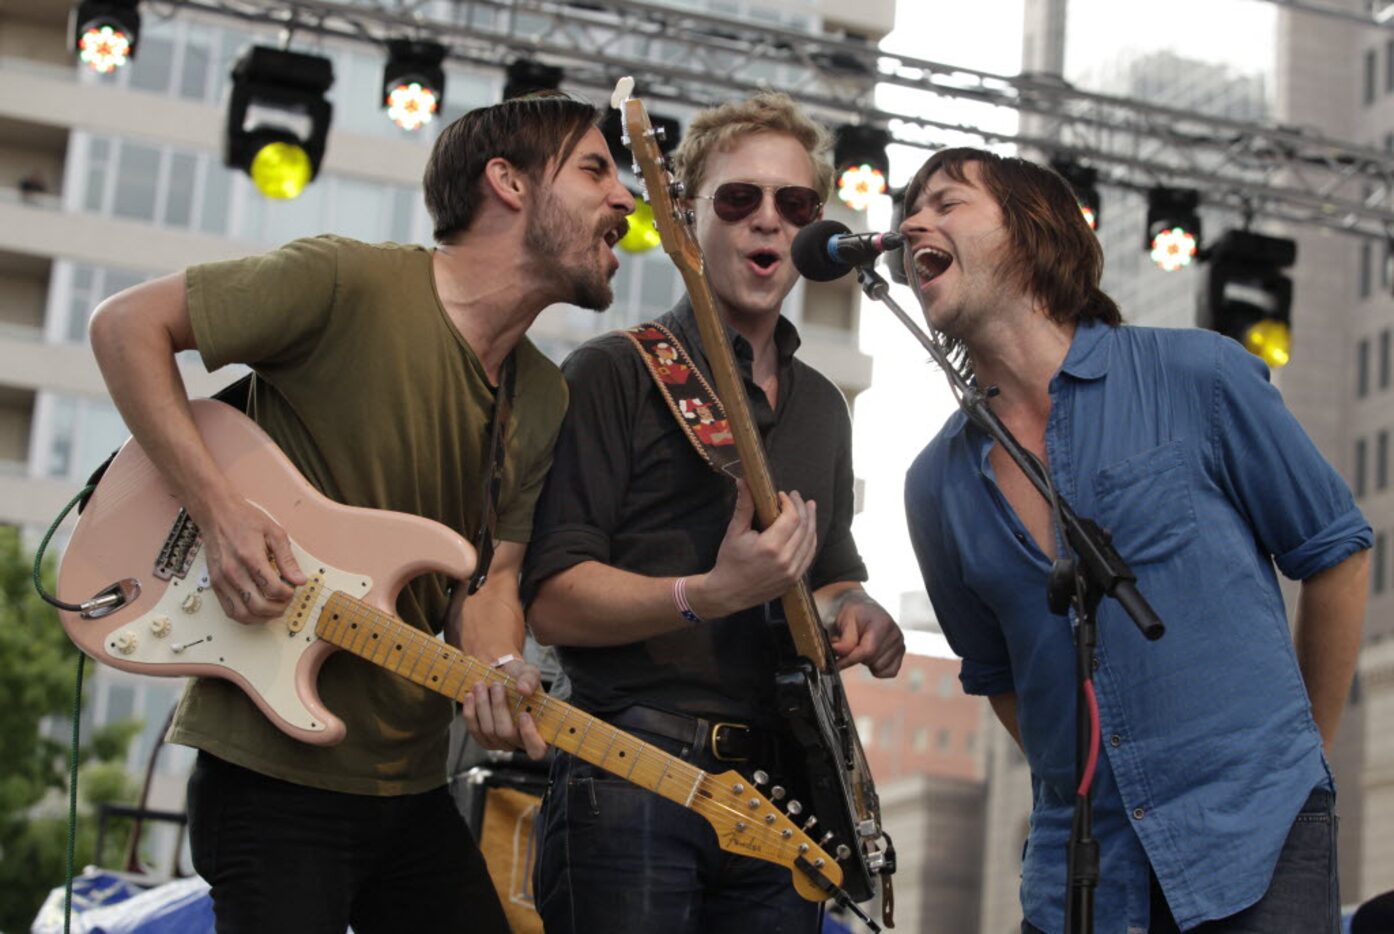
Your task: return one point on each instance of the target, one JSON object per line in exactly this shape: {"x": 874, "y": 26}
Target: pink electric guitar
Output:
{"x": 138, "y": 555}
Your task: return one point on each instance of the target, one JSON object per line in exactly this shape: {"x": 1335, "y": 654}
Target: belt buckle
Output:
{"x": 712, "y": 741}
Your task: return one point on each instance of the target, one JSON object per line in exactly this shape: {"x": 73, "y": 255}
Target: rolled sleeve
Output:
{"x": 971, "y": 628}
{"x": 1299, "y": 507}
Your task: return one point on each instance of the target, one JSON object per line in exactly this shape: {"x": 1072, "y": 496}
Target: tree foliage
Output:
{"x": 38, "y": 666}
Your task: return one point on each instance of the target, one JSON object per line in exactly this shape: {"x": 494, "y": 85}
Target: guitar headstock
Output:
{"x": 747, "y": 823}
{"x": 661, "y": 190}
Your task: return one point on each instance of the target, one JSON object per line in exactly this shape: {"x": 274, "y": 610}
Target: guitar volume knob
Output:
{"x": 125, "y": 642}
{"x": 160, "y": 626}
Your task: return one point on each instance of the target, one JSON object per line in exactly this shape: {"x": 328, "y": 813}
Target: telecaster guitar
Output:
{"x": 162, "y": 619}
{"x": 809, "y": 691}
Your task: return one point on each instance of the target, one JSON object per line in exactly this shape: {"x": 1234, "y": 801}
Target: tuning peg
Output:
{"x": 777, "y": 792}
{"x": 843, "y": 852}
{"x": 754, "y": 804}
{"x": 759, "y": 778}
{"x": 658, "y": 133}
{"x": 827, "y": 837}
{"x": 690, "y": 216}
{"x": 794, "y": 808}
{"x": 738, "y": 788}
{"x": 740, "y": 826}
{"x": 677, "y": 189}
{"x": 810, "y": 823}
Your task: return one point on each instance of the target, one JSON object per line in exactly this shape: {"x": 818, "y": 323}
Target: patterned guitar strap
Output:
{"x": 690, "y": 397}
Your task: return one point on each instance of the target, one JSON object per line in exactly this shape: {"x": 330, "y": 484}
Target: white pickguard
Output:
{"x": 188, "y": 626}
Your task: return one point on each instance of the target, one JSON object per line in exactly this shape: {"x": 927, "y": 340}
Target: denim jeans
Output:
{"x": 1303, "y": 897}
{"x": 618, "y": 859}
{"x": 284, "y": 857}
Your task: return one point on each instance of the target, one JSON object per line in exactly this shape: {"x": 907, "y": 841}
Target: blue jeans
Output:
{"x": 618, "y": 859}
{"x": 284, "y": 857}
{"x": 1304, "y": 896}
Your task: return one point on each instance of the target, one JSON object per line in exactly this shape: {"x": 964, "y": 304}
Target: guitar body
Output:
{"x": 175, "y": 626}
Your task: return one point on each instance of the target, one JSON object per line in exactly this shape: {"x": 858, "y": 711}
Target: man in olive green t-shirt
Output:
{"x": 376, "y": 369}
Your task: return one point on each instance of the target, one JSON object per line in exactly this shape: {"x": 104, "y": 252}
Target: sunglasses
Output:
{"x": 735, "y": 201}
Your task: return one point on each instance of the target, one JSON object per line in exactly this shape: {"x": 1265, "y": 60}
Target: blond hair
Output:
{"x": 718, "y": 128}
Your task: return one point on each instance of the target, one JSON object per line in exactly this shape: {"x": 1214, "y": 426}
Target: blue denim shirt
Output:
{"x": 1175, "y": 441}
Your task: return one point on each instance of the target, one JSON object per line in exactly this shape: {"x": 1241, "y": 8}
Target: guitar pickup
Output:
{"x": 298, "y": 612}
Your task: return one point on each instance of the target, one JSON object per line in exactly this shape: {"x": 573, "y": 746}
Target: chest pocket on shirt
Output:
{"x": 1145, "y": 502}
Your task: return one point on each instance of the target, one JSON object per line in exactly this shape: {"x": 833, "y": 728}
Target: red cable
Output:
{"x": 1088, "y": 778}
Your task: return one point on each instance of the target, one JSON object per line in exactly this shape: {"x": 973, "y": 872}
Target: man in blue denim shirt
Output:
{"x": 1213, "y": 799}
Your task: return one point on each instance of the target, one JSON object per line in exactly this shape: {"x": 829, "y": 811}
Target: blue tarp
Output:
{"x": 108, "y": 903}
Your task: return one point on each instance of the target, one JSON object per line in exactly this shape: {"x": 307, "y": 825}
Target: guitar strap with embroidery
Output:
{"x": 690, "y": 398}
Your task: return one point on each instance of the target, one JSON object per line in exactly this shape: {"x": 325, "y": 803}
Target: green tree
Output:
{"x": 37, "y": 669}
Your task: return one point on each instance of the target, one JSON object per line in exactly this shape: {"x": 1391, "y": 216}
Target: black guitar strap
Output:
{"x": 493, "y": 475}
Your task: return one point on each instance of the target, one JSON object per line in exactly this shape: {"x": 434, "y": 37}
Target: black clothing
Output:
{"x": 628, "y": 490}
{"x": 286, "y": 857}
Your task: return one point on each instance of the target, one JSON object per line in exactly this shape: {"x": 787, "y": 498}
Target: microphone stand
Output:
{"x": 1080, "y": 579}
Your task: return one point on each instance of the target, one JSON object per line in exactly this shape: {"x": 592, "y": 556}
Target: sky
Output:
{"x": 909, "y": 399}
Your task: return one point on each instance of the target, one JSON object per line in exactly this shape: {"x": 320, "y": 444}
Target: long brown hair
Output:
{"x": 1056, "y": 256}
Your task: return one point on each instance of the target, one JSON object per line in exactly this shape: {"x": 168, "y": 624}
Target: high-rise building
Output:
{"x": 106, "y": 181}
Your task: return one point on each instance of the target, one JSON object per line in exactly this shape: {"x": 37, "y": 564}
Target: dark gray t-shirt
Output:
{"x": 628, "y": 490}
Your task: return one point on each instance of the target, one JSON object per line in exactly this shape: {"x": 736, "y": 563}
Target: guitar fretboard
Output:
{"x": 741, "y": 817}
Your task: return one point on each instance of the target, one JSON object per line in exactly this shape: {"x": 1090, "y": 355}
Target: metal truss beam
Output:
{"x": 696, "y": 58}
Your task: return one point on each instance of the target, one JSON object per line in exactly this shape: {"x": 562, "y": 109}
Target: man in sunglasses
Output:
{"x": 646, "y": 571}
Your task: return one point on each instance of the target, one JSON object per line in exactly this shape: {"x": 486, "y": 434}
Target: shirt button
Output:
{"x": 1139, "y": 813}
{"x": 1115, "y": 740}
{"x": 1095, "y": 663}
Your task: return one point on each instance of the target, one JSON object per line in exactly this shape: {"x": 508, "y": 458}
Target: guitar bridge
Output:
{"x": 180, "y": 548}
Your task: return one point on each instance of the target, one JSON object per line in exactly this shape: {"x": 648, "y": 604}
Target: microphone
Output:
{"x": 827, "y": 250}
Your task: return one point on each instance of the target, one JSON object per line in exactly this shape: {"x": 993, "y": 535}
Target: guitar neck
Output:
{"x": 799, "y": 608}
{"x": 408, "y": 652}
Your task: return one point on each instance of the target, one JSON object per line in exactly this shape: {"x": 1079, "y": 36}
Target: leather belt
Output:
{"x": 726, "y": 741}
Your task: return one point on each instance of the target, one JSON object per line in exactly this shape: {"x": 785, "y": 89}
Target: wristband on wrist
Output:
{"x": 680, "y": 601}
{"x": 502, "y": 660}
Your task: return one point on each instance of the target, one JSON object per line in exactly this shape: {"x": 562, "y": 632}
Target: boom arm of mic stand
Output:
{"x": 1098, "y": 558}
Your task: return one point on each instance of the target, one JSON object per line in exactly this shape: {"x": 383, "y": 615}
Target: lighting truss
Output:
{"x": 1259, "y": 170}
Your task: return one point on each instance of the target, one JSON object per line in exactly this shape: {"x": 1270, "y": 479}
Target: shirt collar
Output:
{"x": 786, "y": 336}
{"x": 1087, "y": 359}
{"x": 1089, "y": 351}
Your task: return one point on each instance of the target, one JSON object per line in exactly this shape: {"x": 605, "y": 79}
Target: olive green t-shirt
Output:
{"x": 367, "y": 386}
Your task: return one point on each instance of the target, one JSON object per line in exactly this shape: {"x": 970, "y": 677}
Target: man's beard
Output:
{"x": 552, "y": 234}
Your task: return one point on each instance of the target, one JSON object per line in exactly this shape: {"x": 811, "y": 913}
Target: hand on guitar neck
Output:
{"x": 753, "y": 567}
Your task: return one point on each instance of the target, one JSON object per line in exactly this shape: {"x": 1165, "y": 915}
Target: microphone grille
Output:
{"x": 810, "y": 251}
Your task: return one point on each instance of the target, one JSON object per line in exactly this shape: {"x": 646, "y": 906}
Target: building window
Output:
{"x": 1369, "y": 94}
{"x": 1362, "y": 369}
{"x": 922, "y": 739}
{"x": 1384, "y": 359}
{"x": 1359, "y": 467}
{"x": 944, "y": 740}
{"x": 1382, "y": 461}
{"x": 1365, "y": 280}
{"x": 1377, "y": 578}
{"x": 916, "y": 679}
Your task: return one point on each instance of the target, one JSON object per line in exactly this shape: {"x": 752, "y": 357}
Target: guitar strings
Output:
{"x": 422, "y": 645}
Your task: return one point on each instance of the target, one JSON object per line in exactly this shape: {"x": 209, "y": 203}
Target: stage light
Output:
{"x": 413, "y": 82}
{"x": 642, "y": 235}
{"x": 1246, "y": 296}
{"x": 859, "y": 156}
{"x": 1173, "y": 227}
{"x": 105, "y": 33}
{"x": 278, "y": 119}
{"x": 524, "y": 76}
{"x": 1082, "y": 181}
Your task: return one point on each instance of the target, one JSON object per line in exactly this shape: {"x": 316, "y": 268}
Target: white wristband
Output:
{"x": 503, "y": 660}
